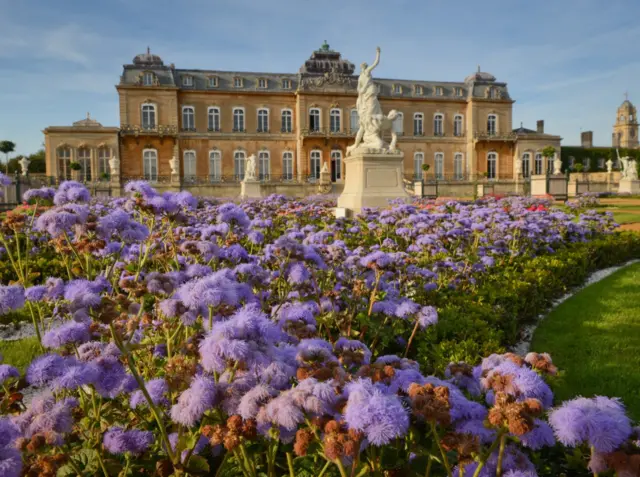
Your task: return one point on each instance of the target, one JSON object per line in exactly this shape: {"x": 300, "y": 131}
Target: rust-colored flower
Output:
{"x": 431, "y": 402}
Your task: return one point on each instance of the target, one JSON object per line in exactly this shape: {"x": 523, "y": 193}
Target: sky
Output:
{"x": 568, "y": 62}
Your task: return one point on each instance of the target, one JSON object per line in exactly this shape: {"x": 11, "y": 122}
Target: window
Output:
{"x": 287, "y": 165}
{"x": 418, "y": 124}
{"x": 621, "y": 118}
{"x": 458, "y": 92}
{"x": 526, "y": 164}
{"x": 262, "y": 83}
{"x": 264, "y": 165}
{"x": 492, "y": 124}
{"x": 418, "y": 160}
{"x": 457, "y": 125}
{"x": 419, "y": 90}
{"x": 214, "y": 119}
{"x": 263, "y": 120}
{"x": 213, "y": 81}
{"x": 104, "y": 154}
{"x": 148, "y": 116}
{"x": 150, "y": 165}
{"x": 238, "y": 120}
{"x": 189, "y": 164}
{"x": 397, "y": 89}
{"x": 438, "y": 125}
{"x": 439, "y": 162}
{"x": 286, "y": 84}
{"x": 492, "y": 165}
{"x": 335, "y": 117}
{"x": 316, "y": 159}
{"x": 187, "y": 80}
{"x": 398, "y": 124}
{"x": 215, "y": 166}
{"x": 354, "y": 120}
{"x": 64, "y": 158}
{"x": 601, "y": 163}
{"x": 439, "y": 91}
{"x": 238, "y": 165}
{"x": 314, "y": 119}
{"x": 550, "y": 165}
{"x": 147, "y": 78}
{"x": 458, "y": 166}
{"x": 237, "y": 82}
{"x": 84, "y": 158}
{"x": 537, "y": 164}
{"x": 287, "y": 121}
{"x": 188, "y": 118}
{"x": 572, "y": 161}
{"x": 336, "y": 165}
{"x": 631, "y": 117}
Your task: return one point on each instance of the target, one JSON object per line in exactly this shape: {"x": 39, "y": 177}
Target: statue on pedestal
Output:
{"x": 114, "y": 167}
{"x": 24, "y": 165}
{"x": 250, "y": 168}
{"x": 175, "y": 166}
{"x": 631, "y": 169}
{"x": 557, "y": 165}
{"x": 518, "y": 168}
{"x": 609, "y": 164}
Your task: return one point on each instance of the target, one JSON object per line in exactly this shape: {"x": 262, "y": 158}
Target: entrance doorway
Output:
{"x": 336, "y": 166}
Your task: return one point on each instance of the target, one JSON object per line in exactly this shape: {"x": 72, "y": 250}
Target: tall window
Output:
{"x": 238, "y": 120}
{"x": 550, "y": 164}
{"x": 104, "y": 154}
{"x": 147, "y": 78}
{"x": 397, "y": 89}
{"x": 264, "y": 165}
{"x": 458, "y": 166}
{"x": 150, "y": 165}
{"x": 287, "y": 121}
{"x": 214, "y": 119}
{"x": 213, "y": 81}
{"x": 438, "y": 125}
{"x": 314, "y": 119}
{"x": 84, "y": 158}
{"x": 148, "y": 116}
{"x": 189, "y": 164}
{"x": 187, "y": 80}
{"x": 398, "y": 124}
{"x": 263, "y": 120}
{"x": 336, "y": 165}
{"x": 418, "y": 160}
{"x": 492, "y": 124}
{"x": 419, "y": 90}
{"x": 335, "y": 120}
{"x": 492, "y": 165}
{"x": 537, "y": 164}
{"x": 215, "y": 166}
{"x": 439, "y": 91}
{"x": 286, "y": 84}
{"x": 457, "y": 125}
{"x": 238, "y": 164}
{"x": 64, "y": 158}
{"x": 262, "y": 83}
{"x": 287, "y": 165}
{"x": 188, "y": 118}
{"x": 439, "y": 162}
{"x": 354, "y": 120}
{"x": 237, "y": 82}
{"x": 418, "y": 124}
{"x": 526, "y": 164}
{"x": 316, "y": 159}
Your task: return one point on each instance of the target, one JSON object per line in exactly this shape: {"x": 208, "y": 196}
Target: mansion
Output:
{"x": 210, "y": 121}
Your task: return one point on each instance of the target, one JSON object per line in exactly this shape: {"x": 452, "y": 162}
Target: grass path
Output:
{"x": 594, "y": 338}
{"x": 20, "y": 353}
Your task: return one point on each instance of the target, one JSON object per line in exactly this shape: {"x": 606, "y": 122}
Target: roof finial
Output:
{"x": 88, "y": 115}
{"x": 148, "y": 50}
{"x": 325, "y": 46}
{"x": 478, "y": 68}
{"x": 521, "y": 124}
{"x": 626, "y": 96}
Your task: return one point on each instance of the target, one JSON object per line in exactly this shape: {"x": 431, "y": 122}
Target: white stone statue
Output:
{"x": 325, "y": 168}
{"x": 175, "y": 166}
{"x": 609, "y": 164}
{"x": 518, "y": 167}
{"x": 250, "y": 168}
{"x": 557, "y": 165}
{"x": 24, "y": 165}
{"x": 631, "y": 169}
{"x": 114, "y": 166}
{"x": 372, "y": 121}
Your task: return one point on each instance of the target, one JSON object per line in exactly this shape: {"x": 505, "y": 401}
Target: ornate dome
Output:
{"x": 148, "y": 59}
{"x": 325, "y": 60}
{"x": 480, "y": 76}
{"x": 88, "y": 122}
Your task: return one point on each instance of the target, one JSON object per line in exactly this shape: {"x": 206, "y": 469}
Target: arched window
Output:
{"x": 263, "y": 120}
{"x": 150, "y": 165}
{"x": 418, "y": 124}
{"x": 457, "y": 125}
{"x": 63, "y": 155}
{"x": 84, "y": 158}
{"x": 238, "y": 165}
{"x": 492, "y": 124}
{"x": 621, "y": 117}
{"x": 238, "y": 120}
{"x": 287, "y": 165}
{"x": 418, "y": 161}
{"x": 214, "y": 119}
{"x": 215, "y": 165}
{"x": 314, "y": 119}
{"x": 189, "y": 165}
{"x": 336, "y": 165}
{"x": 439, "y": 163}
{"x": 287, "y": 121}
{"x": 526, "y": 164}
{"x": 537, "y": 164}
{"x": 492, "y": 165}
{"x": 264, "y": 165}
{"x": 188, "y": 118}
{"x": 355, "y": 121}
{"x": 104, "y": 154}
{"x": 398, "y": 124}
{"x": 148, "y": 116}
{"x": 315, "y": 163}
{"x": 335, "y": 120}
{"x": 458, "y": 166}
{"x": 438, "y": 124}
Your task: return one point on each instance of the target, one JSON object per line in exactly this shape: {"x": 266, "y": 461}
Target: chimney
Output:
{"x": 540, "y": 126}
{"x": 586, "y": 139}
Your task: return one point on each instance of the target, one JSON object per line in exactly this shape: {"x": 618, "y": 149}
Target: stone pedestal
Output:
{"x": 430, "y": 190}
{"x": 418, "y": 189}
{"x": 372, "y": 179}
{"x": 538, "y": 185}
{"x": 115, "y": 186}
{"x": 484, "y": 189}
{"x": 572, "y": 190}
{"x": 250, "y": 189}
{"x": 629, "y": 186}
{"x": 558, "y": 187}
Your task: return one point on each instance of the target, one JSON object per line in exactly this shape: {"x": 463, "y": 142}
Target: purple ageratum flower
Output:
{"x": 71, "y": 192}
{"x": 157, "y": 388}
{"x": 232, "y": 214}
{"x": 44, "y": 193}
{"x": 76, "y": 374}
{"x": 343, "y": 344}
{"x": 10, "y": 462}
{"x": 601, "y": 422}
{"x": 8, "y": 432}
{"x": 118, "y": 441}
{"x": 427, "y": 316}
{"x": 184, "y": 200}
{"x": 45, "y": 368}
{"x": 46, "y": 415}
{"x": 11, "y": 298}
{"x": 61, "y": 220}
{"x": 35, "y": 293}
{"x": 69, "y": 332}
{"x": 192, "y": 403}
{"x": 121, "y": 223}
{"x": 112, "y": 379}
{"x": 140, "y": 187}
{"x": 5, "y": 180}
{"x": 255, "y": 398}
{"x": 539, "y": 437}
{"x": 8, "y": 372}
{"x": 298, "y": 274}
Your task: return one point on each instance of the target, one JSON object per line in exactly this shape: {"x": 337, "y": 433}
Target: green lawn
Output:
{"x": 626, "y": 217}
{"x": 20, "y": 353}
{"x": 594, "y": 338}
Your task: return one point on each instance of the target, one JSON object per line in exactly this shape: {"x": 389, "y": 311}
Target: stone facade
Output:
{"x": 625, "y": 129}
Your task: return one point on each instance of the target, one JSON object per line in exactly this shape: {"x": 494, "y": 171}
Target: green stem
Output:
{"x": 503, "y": 440}
{"x": 324, "y": 469}
{"x": 101, "y": 462}
{"x": 429, "y": 464}
{"x": 290, "y": 465}
{"x": 413, "y": 334}
{"x": 221, "y": 466}
{"x": 593, "y": 451}
{"x": 445, "y": 461}
{"x": 35, "y": 325}
{"x": 338, "y": 462}
{"x": 493, "y": 447}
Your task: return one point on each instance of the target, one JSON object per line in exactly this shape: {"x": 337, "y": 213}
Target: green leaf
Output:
{"x": 198, "y": 465}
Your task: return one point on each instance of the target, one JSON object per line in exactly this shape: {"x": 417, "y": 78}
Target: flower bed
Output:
{"x": 198, "y": 337}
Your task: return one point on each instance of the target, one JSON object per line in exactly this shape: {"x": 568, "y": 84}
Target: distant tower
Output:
{"x": 625, "y": 130}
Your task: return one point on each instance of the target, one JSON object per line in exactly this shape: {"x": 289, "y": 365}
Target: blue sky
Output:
{"x": 568, "y": 62}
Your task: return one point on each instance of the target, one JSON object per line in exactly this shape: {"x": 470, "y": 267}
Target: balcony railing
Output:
{"x": 189, "y": 129}
{"x": 494, "y": 136}
{"x": 328, "y": 131}
{"x": 145, "y": 130}
{"x": 192, "y": 180}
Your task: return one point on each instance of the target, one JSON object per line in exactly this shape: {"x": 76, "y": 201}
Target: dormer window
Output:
{"x": 286, "y": 84}
{"x": 439, "y": 91}
{"x": 237, "y": 82}
{"x": 419, "y": 90}
{"x": 458, "y": 91}
{"x": 147, "y": 78}
{"x": 397, "y": 89}
{"x": 262, "y": 83}
{"x": 187, "y": 80}
{"x": 213, "y": 81}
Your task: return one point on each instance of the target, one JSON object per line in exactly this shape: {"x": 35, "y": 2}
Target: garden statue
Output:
{"x": 518, "y": 168}
{"x": 631, "y": 169}
{"x": 557, "y": 165}
{"x": 609, "y": 166}
{"x": 24, "y": 165}
{"x": 114, "y": 166}
{"x": 175, "y": 166}
{"x": 250, "y": 168}
{"x": 325, "y": 168}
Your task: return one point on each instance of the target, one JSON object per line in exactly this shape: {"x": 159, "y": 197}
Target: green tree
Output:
{"x": 38, "y": 164}
{"x": 7, "y": 147}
